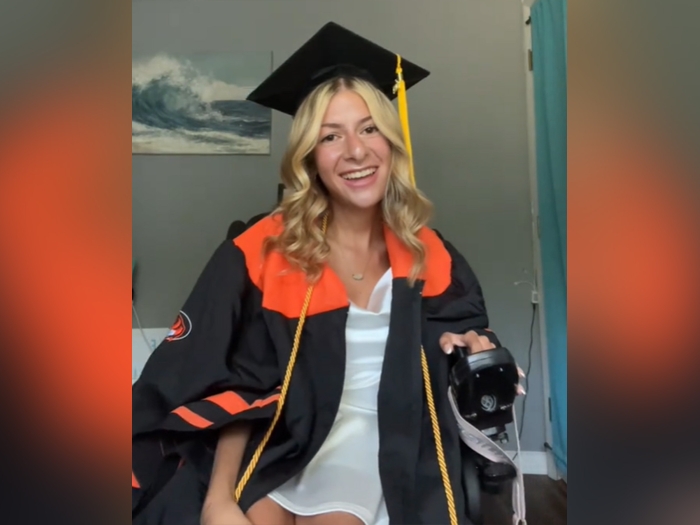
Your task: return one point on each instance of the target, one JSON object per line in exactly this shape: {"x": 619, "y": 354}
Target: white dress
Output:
{"x": 344, "y": 474}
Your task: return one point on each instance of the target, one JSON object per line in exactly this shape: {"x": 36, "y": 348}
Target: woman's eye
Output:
{"x": 328, "y": 138}
{"x": 371, "y": 129}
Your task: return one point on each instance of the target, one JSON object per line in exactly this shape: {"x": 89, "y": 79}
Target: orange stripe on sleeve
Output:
{"x": 193, "y": 419}
{"x": 259, "y": 403}
{"x": 134, "y": 482}
{"x": 229, "y": 401}
{"x": 235, "y": 404}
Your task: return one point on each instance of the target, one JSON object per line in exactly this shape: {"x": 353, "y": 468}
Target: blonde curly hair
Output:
{"x": 405, "y": 209}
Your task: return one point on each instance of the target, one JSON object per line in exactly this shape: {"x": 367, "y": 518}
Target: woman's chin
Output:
{"x": 360, "y": 200}
{"x": 360, "y": 204}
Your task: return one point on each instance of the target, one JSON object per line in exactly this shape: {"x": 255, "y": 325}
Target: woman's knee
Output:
{"x": 268, "y": 512}
{"x": 330, "y": 518}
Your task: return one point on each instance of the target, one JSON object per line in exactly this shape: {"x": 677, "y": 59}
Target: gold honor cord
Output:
{"x": 400, "y": 90}
{"x": 283, "y": 392}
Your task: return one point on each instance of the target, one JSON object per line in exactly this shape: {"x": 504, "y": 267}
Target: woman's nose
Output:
{"x": 356, "y": 149}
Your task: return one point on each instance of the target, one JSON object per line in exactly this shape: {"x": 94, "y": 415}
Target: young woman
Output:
{"x": 305, "y": 380}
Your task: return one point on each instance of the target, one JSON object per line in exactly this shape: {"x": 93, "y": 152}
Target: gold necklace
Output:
{"x": 360, "y": 276}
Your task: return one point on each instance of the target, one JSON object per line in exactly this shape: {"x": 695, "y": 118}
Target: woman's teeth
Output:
{"x": 359, "y": 174}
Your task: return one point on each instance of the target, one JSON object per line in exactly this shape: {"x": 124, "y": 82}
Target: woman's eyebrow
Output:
{"x": 338, "y": 126}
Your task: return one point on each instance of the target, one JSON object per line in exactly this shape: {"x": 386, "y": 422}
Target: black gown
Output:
{"x": 227, "y": 353}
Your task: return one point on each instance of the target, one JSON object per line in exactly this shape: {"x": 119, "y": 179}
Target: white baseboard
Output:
{"x": 562, "y": 476}
{"x": 531, "y": 462}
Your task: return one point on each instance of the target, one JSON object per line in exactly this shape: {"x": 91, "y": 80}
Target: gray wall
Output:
{"x": 468, "y": 124}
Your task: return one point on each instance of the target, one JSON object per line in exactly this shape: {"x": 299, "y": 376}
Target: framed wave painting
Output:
{"x": 195, "y": 104}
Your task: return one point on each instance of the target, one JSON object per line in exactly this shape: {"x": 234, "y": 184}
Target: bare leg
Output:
{"x": 330, "y": 518}
{"x": 268, "y": 512}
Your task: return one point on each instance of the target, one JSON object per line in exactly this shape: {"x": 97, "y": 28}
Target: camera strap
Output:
{"x": 482, "y": 445}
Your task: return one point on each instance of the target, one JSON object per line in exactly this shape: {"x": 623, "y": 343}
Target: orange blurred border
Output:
{"x": 65, "y": 225}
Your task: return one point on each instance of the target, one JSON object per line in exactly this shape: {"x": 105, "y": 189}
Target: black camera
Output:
{"x": 484, "y": 385}
{"x": 484, "y": 389}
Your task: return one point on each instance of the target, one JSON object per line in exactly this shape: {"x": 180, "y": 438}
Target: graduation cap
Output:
{"x": 335, "y": 51}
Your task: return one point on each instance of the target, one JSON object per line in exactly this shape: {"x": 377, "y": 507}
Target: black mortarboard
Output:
{"x": 332, "y": 51}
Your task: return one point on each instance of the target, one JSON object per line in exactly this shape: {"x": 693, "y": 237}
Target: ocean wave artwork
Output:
{"x": 196, "y": 104}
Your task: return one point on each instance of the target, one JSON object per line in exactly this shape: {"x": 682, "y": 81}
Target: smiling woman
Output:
{"x": 312, "y": 387}
{"x": 354, "y": 151}
{"x": 350, "y": 105}
{"x": 346, "y": 158}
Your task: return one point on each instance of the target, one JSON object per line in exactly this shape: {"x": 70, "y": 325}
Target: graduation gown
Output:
{"x": 227, "y": 353}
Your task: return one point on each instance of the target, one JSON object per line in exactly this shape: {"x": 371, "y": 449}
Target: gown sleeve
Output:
{"x": 216, "y": 366}
{"x": 468, "y": 305}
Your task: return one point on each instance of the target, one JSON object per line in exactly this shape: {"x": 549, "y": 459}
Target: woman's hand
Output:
{"x": 475, "y": 343}
{"x": 471, "y": 340}
{"x": 222, "y": 510}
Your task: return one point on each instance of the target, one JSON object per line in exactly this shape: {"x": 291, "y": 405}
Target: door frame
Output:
{"x": 552, "y": 470}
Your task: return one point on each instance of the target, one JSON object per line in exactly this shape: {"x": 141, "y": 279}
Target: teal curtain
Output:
{"x": 548, "y": 19}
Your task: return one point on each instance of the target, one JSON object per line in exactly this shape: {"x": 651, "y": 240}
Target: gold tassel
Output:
{"x": 400, "y": 88}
